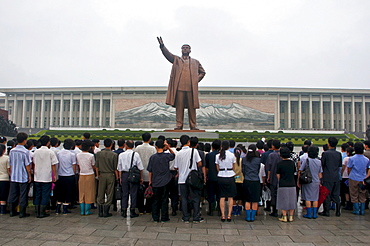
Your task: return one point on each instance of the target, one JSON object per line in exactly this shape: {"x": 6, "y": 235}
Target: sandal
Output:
{"x": 222, "y": 219}
{"x": 228, "y": 219}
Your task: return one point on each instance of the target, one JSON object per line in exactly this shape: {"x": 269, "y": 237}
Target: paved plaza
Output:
{"x": 73, "y": 229}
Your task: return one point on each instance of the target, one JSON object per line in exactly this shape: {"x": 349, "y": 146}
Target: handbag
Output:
{"x": 118, "y": 191}
{"x": 195, "y": 178}
{"x": 306, "y": 175}
{"x": 133, "y": 172}
{"x": 148, "y": 192}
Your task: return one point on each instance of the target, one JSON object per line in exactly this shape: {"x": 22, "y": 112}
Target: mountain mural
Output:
{"x": 215, "y": 116}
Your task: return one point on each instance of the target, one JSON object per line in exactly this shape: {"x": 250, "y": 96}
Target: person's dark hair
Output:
{"x": 207, "y": 147}
{"x": 2, "y": 140}
{"x": 283, "y": 145}
{"x": 161, "y": 137}
{"x": 69, "y": 144}
{"x": 307, "y": 142}
{"x": 252, "y": 152}
{"x": 260, "y": 144}
{"x": 237, "y": 152}
{"x": 350, "y": 151}
{"x": 284, "y": 152}
{"x": 184, "y": 139}
{"x": 137, "y": 143}
{"x": 159, "y": 144}
{"x": 54, "y": 142}
{"x": 265, "y": 147}
{"x": 313, "y": 152}
{"x": 108, "y": 142}
{"x": 44, "y": 140}
{"x": 305, "y": 148}
{"x": 21, "y": 137}
{"x": 232, "y": 143}
{"x": 151, "y": 143}
{"x": 333, "y": 141}
{"x": 200, "y": 146}
{"x": 269, "y": 143}
{"x": 29, "y": 144}
{"x": 120, "y": 142}
{"x": 146, "y": 136}
{"x": 95, "y": 141}
{"x": 216, "y": 144}
{"x": 367, "y": 142}
{"x": 169, "y": 141}
{"x": 193, "y": 141}
{"x": 290, "y": 146}
{"x": 78, "y": 142}
{"x": 174, "y": 143}
{"x": 86, "y": 145}
{"x": 350, "y": 143}
{"x": 325, "y": 147}
{"x": 276, "y": 143}
{"x": 344, "y": 146}
{"x": 86, "y": 135}
{"x": 130, "y": 144}
{"x": 225, "y": 145}
{"x": 2, "y": 149}
{"x": 10, "y": 144}
{"x": 359, "y": 148}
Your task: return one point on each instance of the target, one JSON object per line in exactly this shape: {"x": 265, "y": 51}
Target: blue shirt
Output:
{"x": 66, "y": 158}
{"x": 358, "y": 165}
{"x": 19, "y": 158}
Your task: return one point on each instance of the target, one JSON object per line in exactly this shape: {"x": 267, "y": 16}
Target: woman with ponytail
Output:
{"x": 252, "y": 187}
{"x": 225, "y": 162}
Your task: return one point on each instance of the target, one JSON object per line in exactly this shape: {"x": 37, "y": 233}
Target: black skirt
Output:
{"x": 4, "y": 190}
{"x": 252, "y": 191}
{"x": 227, "y": 187}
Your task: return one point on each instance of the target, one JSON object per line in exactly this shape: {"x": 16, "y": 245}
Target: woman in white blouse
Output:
{"x": 225, "y": 162}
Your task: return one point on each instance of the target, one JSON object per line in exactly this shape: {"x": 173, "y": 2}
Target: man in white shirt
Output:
{"x": 183, "y": 164}
{"x": 44, "y": 161}
{"x": 145, "y": 151}
{"x": 125, "y": 159}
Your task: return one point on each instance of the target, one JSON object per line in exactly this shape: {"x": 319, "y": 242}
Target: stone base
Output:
{"x": 201, "y": 134}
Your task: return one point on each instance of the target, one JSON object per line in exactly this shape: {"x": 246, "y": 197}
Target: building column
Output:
{"x": 91, "y": 109}
{"x": 299, "y": 111}
{"x": 331, "y": 112}
{"x": 342, "y": 114}
{"x": 61, "y": 108}
{"x": 353, "y": 114}
{"x": 24, "y": 111}
{"x": 33, "y": 109}
{"x": 112, "y": 113}
{"x": 310, "y": 113}
{"x": 363, "y": 107}
{"x": 81, "y": 109}
{"x": 289, "y": 125}
{"x": 321, "y": 114}
{"x": 277, "y": 113}
{"x": 6, "y": 106}
{"x": 15, "y": 110}
{"x": 101, "y": 110}
{"x": 42, "y": 112}
{"x": 70, "y": 110}
{"x": 51, "y": 121}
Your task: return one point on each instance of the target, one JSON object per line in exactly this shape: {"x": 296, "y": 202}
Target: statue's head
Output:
{"x": 186, "y": 49}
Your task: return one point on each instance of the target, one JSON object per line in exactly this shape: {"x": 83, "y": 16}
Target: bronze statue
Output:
{"x": 182, "y": 89}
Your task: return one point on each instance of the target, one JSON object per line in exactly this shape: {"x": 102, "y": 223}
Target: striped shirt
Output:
{"x": 19, "y": 158}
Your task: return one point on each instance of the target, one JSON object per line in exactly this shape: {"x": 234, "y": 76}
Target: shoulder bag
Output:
{"x": 306, "y": 175}
{"x": 133, "y": 172}
{"x": 195, "y": 178}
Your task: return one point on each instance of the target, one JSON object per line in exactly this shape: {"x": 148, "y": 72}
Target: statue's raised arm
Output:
{"x": 165, "y": 52}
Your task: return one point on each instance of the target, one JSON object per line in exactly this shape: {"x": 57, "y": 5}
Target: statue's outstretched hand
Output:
{"x": 160, "y": 41}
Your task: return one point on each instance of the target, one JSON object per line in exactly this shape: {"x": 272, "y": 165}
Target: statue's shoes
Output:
{"x": 178, "y": 128}
{"x": 194, "y": 128}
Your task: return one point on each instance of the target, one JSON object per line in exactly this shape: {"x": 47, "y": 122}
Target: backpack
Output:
{"x": 195, "y": 178}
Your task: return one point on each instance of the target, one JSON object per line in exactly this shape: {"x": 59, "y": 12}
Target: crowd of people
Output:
{"x": 152, "y": 177}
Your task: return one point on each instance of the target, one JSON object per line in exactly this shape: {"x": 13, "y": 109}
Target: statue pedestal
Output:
{"x": 201, "y": 134}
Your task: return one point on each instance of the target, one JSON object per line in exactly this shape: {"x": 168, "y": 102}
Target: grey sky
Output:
{"x": 283, "y": 43}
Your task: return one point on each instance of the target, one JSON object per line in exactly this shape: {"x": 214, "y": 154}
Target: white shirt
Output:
{"x": 4, "y": 165}
{"x": 172, "y": 163}
{"x": 225, "y": 164}
{"x": 182, "y": 162}
{"x": 145, "y": 151}
{"x": 262, "y": 172}
{"x": 44, "y": 158}
{"x": 85, "y": 162}
{"x": 124, "y": 161}
{"x": 345, "y": 163}
{"x": 96, "y": 150}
